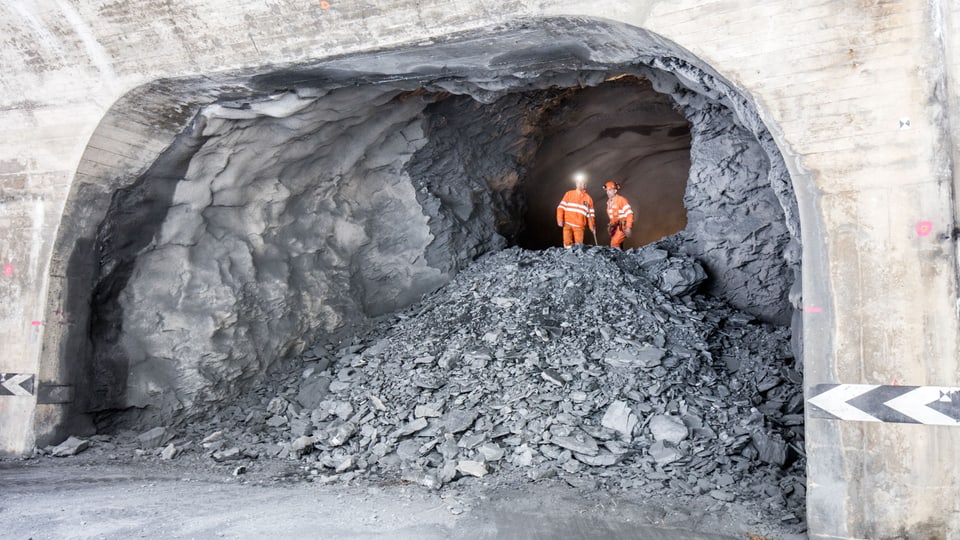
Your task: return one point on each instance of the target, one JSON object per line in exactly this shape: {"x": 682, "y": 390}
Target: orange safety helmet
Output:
{"x": 612, "y": 185}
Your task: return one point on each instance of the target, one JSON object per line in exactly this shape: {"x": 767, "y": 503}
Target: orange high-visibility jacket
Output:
{"x": 619, "y": 212}
{"x": 576, "y": 209}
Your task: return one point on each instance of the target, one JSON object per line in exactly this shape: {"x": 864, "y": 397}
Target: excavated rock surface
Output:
{"x": 278, "y": 221}
{"x": 599, "y": 367}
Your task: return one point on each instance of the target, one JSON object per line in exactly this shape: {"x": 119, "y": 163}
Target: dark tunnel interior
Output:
{"x": 622, "y": 131}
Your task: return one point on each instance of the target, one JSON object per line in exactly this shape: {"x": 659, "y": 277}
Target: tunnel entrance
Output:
{"x": 622, "y": 130}
{"x": 295, "y": 210}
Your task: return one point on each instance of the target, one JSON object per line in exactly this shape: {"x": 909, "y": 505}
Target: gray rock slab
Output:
{"x": 620, "y": 418}
{"x": 552, "y": 376}
{"x": 70, "y": 447}
{"x": 342, "y": 434}
{"x": 645, "y": 357}
{"x": 664, "y": 452}
{"x": 491, "y": 452}
{"x": 668, "y": 428}
{"x": 301, "y": 443}
{"x": 408, "y": 450}
{"x": 721, "y": 495}
{"x": 602, "y": 459}
{"x": 523, "y": 456}
{"x": 277, "y": 421}
{"x": 313, "y": 390}
{"x": 426, "y": 411}
{"x": 771, "y": 449}
{"x": 338, "y": 386}
{"x": 682, "y": 279}
{"x": 377, "y": 403}
{"x": 229, "y": 454}
{"x": 579, "y": 442}
{"x": 411, "y": 427}
{"x": 472, "y": 468}
{"x": 169, "y": 452}
{"x": 458, "y": 420}
{"x": 427, "y": 479}
{"x": 472, "y": 440}
{"x": 277, "y": 405}
{"x": 157, "y": 436}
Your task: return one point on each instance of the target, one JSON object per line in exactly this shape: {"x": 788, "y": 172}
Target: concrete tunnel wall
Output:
{"x": 835, "y": 83}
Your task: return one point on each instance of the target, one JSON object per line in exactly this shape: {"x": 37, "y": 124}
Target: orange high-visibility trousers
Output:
{"x": 572, "y": 235}
{"x": 617, "y": 238}
{"x": 621, "y": 217}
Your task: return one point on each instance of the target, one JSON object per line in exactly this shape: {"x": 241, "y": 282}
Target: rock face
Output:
{"x": 735, "y": 223}
{"x": 295, "y": 218}
{"x": 273, "y": 223}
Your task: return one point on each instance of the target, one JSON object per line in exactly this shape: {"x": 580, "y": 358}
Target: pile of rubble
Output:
{"x": 597, "y": 366}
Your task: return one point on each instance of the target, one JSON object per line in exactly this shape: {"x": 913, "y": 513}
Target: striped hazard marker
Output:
{"x": 16, "y": 384}
{"x": 932, "y": 405}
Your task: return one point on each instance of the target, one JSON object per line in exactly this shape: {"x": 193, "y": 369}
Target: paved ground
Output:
{"x": 71, "y": 498}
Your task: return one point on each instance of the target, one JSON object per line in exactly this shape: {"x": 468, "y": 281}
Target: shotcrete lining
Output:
{"x": 350, "y": 211}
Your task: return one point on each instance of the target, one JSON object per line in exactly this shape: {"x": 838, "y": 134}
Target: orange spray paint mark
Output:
{"x": 324, "y": 4}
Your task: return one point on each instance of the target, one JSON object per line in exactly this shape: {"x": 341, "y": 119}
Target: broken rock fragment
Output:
{"x": 169, "y": 452}
{"x": 664, "y": 452}
{"x": 578, "y": 442}
{"x": 70, "y": 447}
{"x": 157, "y": 436}
{"x": 668, "y": 428}
{"x": 472, "y": 468}
{"x": 342, "y": 434}
{"x": 644, "y": 357}
{"x": 458, "y": 420}
{"x": 620, "y": 418}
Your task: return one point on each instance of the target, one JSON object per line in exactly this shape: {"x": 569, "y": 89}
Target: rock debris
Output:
{"x": 599, "y": 367}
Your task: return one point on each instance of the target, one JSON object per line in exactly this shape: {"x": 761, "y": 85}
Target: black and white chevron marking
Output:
{"x": 933, "y": 405}
{"x": 16, "y": 384}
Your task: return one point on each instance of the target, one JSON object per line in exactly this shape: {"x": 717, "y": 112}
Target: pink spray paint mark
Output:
{"x": 36, "y": 323}
{"x": 8, "y": 270}
{"x": 924, "y": 228}
{"x": 813, "y": 309}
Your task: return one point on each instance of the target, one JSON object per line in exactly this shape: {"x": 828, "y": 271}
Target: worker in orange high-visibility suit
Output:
{"x": 575, "y": 212}
{"x": 620, "y": 214}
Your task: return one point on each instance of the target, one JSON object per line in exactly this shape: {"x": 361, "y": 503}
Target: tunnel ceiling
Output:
{"x": 298, "y": 202}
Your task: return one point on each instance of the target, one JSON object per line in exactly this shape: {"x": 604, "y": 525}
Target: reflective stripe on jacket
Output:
{"x": 619, "y": 212}
{"x": 576, "y": 209}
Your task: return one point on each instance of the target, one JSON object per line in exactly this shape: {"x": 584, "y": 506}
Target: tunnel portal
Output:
{"x": 295, "y": 211}
{"x": 297, "y": 205}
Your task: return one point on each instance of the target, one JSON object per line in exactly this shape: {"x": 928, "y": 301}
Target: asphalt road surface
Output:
{"x": 48, "y": 498}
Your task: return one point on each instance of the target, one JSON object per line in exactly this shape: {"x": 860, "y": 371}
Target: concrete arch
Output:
{"x": 864, "y": 186}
